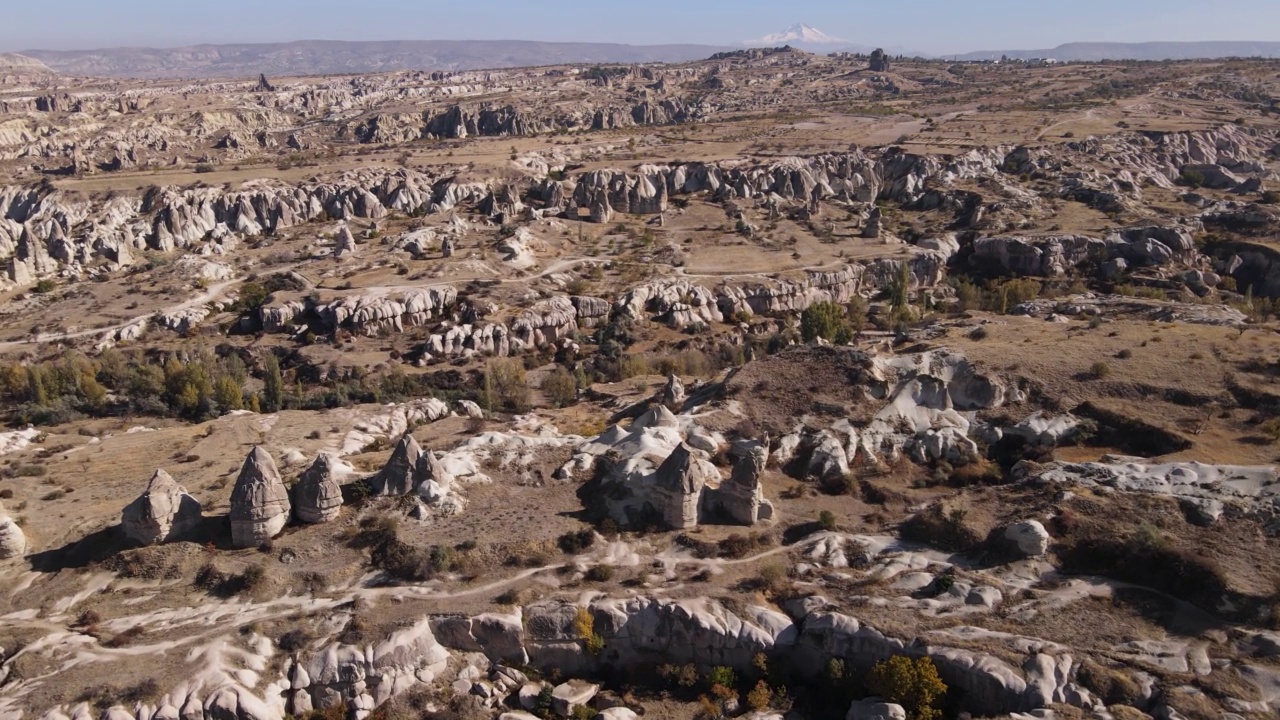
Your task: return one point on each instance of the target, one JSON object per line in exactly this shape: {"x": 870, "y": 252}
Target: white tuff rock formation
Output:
{"x": 317, "y": 498}
{"x": 13, "y": 543}
{"x": 396, "y": 477}
{"x": 259, "y": 502}
{"x": 164, "y": 513}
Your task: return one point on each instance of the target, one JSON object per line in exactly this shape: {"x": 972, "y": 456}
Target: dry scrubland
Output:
{"x": 764, "y": 385}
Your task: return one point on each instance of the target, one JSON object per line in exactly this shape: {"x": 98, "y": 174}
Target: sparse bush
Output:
{"x": 1115, "y": 687}
{"x": 760, "y": 696}
{"x": 294, "y": 640}
{"x": 723, "y": 676}
{"x": 126, "y": 638}
{"x": 584, "y": 625}
{"x": 88, "y": 618}
{"x": 1271, "y": 429}
{"x": 1099, "y": 370}
{"x": 560, "y": 387}
{"x": 827, "y": 520}
{"x": 505, "y": 386}
{"x": 600, "y": 573}
{"x": 575, "y": 542}
{"x": 512, "y": 596}
{"x": 145, "y": 691}
{"x": 772, "y": 578}
{"x": 940, "y": 528}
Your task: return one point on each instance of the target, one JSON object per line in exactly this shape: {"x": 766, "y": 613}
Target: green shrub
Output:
{"x": 827, "y": 520}
{"x": 560, "y": 387}
{"x": 825, "y": 320}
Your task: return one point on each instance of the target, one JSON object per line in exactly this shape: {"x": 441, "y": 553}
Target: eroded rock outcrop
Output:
{"x": 317, "y": 498}
{"x": 677, "y": 489}
{"x": 163, "y": 513}
{"x": 259, "y": 502}
{"x": 740, "y": 499}
{"x": 397, "y": 477}
{"x": 13, "y": 542}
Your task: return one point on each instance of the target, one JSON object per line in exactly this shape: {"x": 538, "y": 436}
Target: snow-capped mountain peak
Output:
{"x": 800, "y": 33}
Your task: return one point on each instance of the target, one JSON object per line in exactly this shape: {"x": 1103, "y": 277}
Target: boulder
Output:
{"x": 259, "y": 503}
{"x": 317, "y": 498}
{"x": 13, "y": 542}
{"x": 1028, "y": 537}
{"x": 875, "y": 709}
{"x": 164, "y": 513}
{"x": 528, "y": 695}
{"x": 396, "y": 477}
{"x": 470, "y": 409}
{"x": 570, "y": 695}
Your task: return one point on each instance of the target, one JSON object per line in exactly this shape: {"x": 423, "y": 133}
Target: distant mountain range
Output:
{"x": 1089, "y": 52}
{"x": 326, "y": 57}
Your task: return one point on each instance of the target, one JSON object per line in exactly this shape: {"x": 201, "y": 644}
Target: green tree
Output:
{"x": 824, "y": 320}
{"x": 35, "y": 386}
{"x": 900, "y": 288}
{"x": 252, "y": 296}
{"x": 913, "y": 684}
{"x": 228, "y": 394}
{"x": 273, "y": 385}
{"x": 856, "y": 313}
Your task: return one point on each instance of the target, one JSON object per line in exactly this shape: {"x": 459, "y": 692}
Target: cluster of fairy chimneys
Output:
{"x": 261, "y": 504}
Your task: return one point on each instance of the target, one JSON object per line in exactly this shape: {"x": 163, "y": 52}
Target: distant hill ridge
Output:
{"x": 323, "y": 57}
{"x": 1094, "y": 51}
{"x": 15, "y": 63}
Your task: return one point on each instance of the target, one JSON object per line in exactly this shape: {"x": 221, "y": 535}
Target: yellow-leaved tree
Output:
{"x": 913, "y": 684}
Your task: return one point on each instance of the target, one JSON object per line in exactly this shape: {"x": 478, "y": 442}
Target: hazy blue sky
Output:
{"x": 936, "y": 26}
